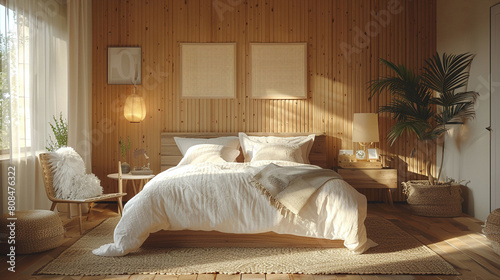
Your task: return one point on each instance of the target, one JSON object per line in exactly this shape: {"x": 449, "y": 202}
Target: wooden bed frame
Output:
{"x": 171, "y": 155}
{"x": 201, "y": 239}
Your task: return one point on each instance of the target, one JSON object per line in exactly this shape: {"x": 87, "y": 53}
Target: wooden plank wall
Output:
{"x": 344, "y": 38}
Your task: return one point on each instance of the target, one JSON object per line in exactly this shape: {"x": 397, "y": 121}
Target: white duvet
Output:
{"x": 219, "y": 196}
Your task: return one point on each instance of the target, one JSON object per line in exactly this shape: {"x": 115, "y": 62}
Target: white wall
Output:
{"x": 464, "y": 26}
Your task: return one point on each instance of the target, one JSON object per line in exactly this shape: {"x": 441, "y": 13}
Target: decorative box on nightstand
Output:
{"x": 371, "y": 179}
{"x": 349, "y": 161}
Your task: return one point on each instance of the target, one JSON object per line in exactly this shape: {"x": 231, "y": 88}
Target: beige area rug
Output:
{"x": 398, "y": 253}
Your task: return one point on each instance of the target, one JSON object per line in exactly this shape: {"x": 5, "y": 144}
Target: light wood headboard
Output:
{"x": 171, "y": 155}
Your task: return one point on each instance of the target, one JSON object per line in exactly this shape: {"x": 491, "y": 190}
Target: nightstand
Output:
{"x": 143, "y": 179}
{"x": 371, "y": 179}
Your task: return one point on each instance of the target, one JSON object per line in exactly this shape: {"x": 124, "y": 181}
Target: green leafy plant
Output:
{"x": 426, "y": 105}
{"x": 124, "y": 147}
{"x": 60, "y": 131}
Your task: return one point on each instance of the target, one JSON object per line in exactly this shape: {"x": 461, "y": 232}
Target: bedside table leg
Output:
{"x": 120, "y": 205}
{"x": 125, "y": 183}
{"x": 133, "y": 185}
{"x": 141, "y": 184}
{"x": 389, "y": 193}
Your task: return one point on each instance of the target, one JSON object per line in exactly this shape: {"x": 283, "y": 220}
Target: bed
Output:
{"x": 214, "y": 204}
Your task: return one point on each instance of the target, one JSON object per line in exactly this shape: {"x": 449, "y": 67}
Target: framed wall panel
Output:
{"x": 124, "y": 66}
{"x": 278, "y": 71}
{"x": 208, "y": 70}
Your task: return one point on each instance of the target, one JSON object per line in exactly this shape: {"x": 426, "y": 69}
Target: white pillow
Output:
{"x": 209, "y": 153}
{"x": 228, "y": 141}
{"x": 304, "y": 142}
{"x": 70, "y": 180}
{"x": 265, "y": 151}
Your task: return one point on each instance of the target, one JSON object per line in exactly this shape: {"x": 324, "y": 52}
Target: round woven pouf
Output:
{"x": 34, "y": 231}
{"x": 492, "y": 229}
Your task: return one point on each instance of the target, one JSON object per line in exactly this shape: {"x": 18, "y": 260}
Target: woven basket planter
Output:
{"x": 492, "y": 230}
{"x": 433, "y": 200}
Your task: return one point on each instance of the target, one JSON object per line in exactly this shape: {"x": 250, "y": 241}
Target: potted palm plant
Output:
{"x": 427, "y": 105}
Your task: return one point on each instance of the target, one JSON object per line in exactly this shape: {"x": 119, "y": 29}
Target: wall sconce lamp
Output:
{"x": 135, "y": 108}
{"x": 365, "y": 131}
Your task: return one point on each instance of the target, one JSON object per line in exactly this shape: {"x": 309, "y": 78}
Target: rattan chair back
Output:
{"x": 48, "y": 176}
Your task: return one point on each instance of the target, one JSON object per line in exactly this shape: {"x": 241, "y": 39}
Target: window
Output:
{"x": 14, "y": 80}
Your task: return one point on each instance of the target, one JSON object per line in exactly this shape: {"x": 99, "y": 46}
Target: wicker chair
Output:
{"x": 48, "y": 178}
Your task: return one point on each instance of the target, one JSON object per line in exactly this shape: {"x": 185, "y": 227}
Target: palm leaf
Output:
{"x": 450, "y": 99}
{"x": 456, "y": 114}
{"x": 436, "y": 132}
{"x": 416, "y": 127}
{"x": 404, "y": 81}
{"x": 446, "y": 73}
{"x": 404, "y": 110}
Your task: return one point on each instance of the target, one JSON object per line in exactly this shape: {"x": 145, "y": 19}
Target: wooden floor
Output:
{"x": 458, "y": 240}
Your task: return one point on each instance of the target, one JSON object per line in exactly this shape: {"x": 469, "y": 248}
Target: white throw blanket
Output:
{"x": 221, "y": 197}
{"x": 70, "y": 180}
{"x": 289, "y": 188}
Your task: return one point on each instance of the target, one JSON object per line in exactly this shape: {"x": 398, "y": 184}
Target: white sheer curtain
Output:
{"x": 80, "y": 78}
{"x": 35, "y": 45}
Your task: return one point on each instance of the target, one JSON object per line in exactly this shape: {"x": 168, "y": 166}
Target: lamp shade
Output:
{"x": 365, "y": 128}
{"x": 135, "y": 108}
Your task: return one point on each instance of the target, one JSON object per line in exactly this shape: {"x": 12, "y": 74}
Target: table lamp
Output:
{"x": 364, "y": 131}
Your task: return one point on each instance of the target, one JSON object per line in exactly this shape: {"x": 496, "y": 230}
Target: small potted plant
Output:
{"x": 124, "y": 147}
{"x": 427, "y": 105}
